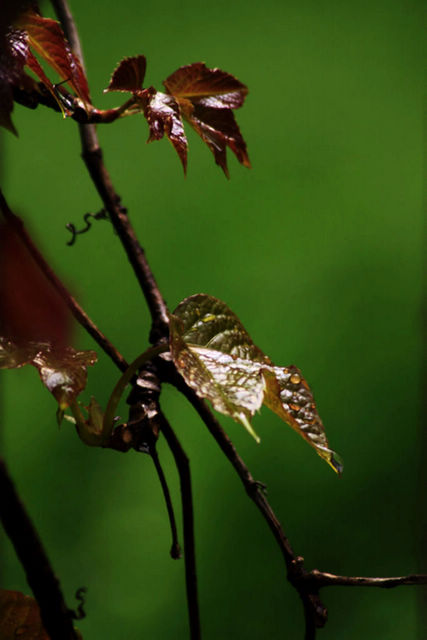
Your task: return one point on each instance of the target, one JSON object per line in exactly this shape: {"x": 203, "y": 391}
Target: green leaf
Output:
{"x": 63, "y": 370}
{"x": 217, "y": 358}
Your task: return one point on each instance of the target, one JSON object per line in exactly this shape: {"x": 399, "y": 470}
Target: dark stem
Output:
{"x": 56, "y": 617}
{"x": 175, "y": 549}
{"x": 183, "y": 467}
{"x": 77, "y": 311}
{"x": 92, "y": 155}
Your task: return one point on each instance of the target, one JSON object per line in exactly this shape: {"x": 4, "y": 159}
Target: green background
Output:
{"x": 317, "y": 249}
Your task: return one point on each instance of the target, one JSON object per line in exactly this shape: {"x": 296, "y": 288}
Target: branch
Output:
{"x": 183, "y": 467}
{"x": 323, "y": 579}
{"x": 77, "y": 311}
{"x": 56, "y": 617}
{"x": 31, "y": 98}
{"x": 92, "y": 155}
{"x": 306, "y": 583}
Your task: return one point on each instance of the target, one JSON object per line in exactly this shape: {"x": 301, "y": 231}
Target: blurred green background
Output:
{"x": 317, "y": 249}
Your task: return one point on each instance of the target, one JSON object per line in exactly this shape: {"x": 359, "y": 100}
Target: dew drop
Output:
{"x": 295, "y": 378}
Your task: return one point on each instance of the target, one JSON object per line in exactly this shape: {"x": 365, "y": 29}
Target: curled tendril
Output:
{"x": 101, "y": 215}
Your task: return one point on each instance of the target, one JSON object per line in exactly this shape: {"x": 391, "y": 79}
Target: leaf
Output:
{"x": 30, "y": 308}
{"x": 20, "y": 617}
{"x": 13, "y": 52}
{"x": 163, "y": 116}
{"x": 217, "y": 358}
{"x": 46, "y": 37}
{"x": 206, "y": 98}
{"x": 128, "y": 75}
{"x": 63, "y": 371}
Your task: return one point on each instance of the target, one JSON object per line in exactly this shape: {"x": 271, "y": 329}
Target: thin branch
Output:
{"x": 77, "y": 311}
{"x": 32, "y": 98}
{"x": 183, "y": 467}
{"x": 92, "y": 155}
{"x": 175, "y": 549}
{"x": 56, "y": 617}
{"x": 323, "y": 579}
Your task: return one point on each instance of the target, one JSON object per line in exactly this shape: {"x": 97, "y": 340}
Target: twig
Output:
{"x": 77, "y": 311}
{"x": 323, "y": 579}
{"x": 56, "y": 617}
{"x": 92, "y": 155}
{"x": 183, "y": 467}
{"x": 307, "y": 583}
{"x": 175, "y": 551}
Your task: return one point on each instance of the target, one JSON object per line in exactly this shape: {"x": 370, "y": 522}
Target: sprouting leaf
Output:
{"x": 164, "y": 118}
{"x": 63, "y": 371}
{"x": 206, "y": 98}
{"x": 217, "y": 358}
{"x": 46, "y": 38}
{"x": 20, "y": 617}
{"x": 128, "y": 75}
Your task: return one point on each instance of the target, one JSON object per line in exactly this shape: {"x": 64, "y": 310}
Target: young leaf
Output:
{"x": 46, "y": 37}
{"x": 163, "y": 117}
{"x": 35, "y": 324}
{"x": 63, "y": 371}
{"x": 128, "y": 75}
{"x": 206, "y": 98}
{"x": 217, "y": 358}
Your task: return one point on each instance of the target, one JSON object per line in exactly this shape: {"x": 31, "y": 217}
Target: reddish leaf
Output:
{"x": 128, "y": 75}
{"x": 30, "y": 308}
{"x": 20, "y": 617}
{"x": 46, "y": 37}
{"x": 211, "y": 87}
{"x": 63, "y": 371}
{"x": 13, "y": 53}
{"x": 164, "y": 118}
{"x": 206, "y": 97}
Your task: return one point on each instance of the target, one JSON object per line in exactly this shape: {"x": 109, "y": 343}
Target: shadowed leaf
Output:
{"x": 46, "y": 37}
{"x": 30, "y": 308}
{"x": 13, "y": 53}
{"x": 128, "y": 75}
{"x": 20, "y": 617}
{"x": 164, "y": 118}
{"x": 217, "y": 358}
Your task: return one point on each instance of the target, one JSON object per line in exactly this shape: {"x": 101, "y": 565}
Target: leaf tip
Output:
{"x": 242, "y": 418}
{"x": 336, "y": 463}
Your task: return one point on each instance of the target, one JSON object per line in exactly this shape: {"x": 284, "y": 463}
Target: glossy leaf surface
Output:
{"x": 206, "y": 98}
{"x": 217, "y": 358}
